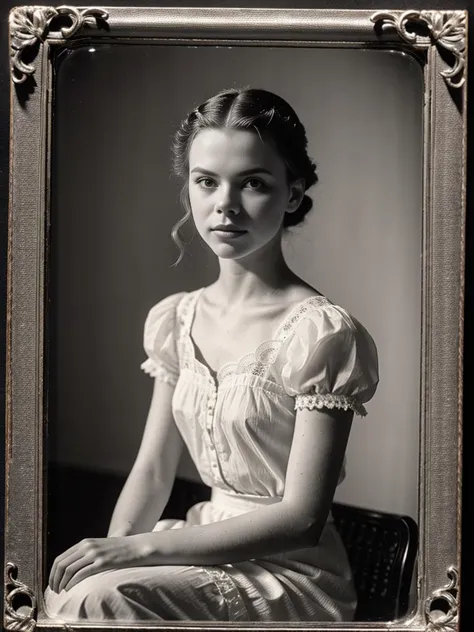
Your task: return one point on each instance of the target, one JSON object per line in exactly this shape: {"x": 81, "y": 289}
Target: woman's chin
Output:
{"x": 229, "y": 251}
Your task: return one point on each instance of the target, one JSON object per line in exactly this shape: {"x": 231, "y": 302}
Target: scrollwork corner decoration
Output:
{"x": 441, "y": 608}
{"x": 422, "y": 29}
{"x": 18, "y": 617}
{"x": 30, "y": 26}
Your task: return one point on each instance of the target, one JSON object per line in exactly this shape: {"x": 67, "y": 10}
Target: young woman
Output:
{"x": 259, "y": 375}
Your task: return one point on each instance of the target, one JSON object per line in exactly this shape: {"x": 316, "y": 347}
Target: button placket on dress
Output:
{"x": 211, "y": 407}
{"x": 214, "y": 455}
{"x": 213, "y": 386}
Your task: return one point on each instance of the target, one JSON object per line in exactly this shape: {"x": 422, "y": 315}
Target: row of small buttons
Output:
{"x": 211, "y": 406}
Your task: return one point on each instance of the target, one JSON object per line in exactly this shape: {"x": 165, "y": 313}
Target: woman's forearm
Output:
{"x": 149, "y": 484}
{"x": 266, "y": 531}
{"x": 140, "y": 504}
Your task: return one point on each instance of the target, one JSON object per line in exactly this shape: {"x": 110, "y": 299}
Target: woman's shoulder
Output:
{"x": 170, "y": 310}
{"x": 172, "y": 304}
{"x": 161, "y": 317}
{"x": 316, "y": 317}
{"x": 159, "y": 338}
{"x": 327, "y": 352}
{"x": 167, "y": 303}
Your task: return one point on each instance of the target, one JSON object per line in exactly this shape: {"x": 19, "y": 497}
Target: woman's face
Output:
{"x": 239, "y": 191}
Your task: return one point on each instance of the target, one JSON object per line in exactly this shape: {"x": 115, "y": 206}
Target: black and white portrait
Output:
{"x": 235, "y": 290}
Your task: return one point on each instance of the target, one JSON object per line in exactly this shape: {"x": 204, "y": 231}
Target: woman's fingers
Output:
{"x": 71, "y": 570}
{"x": 89, "y": 557}
{"x": 54, "y": 567}
{"x": 61, "y": 563}
{"x": 83, "y": 550}
{"x": 86, "y": 571}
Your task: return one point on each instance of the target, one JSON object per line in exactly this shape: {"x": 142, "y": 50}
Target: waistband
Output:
{"x": 228, "y": 499}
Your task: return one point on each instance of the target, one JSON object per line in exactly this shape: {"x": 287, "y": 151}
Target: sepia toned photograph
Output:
{"x": 240, "y": 294}
{"x": 246, "y": 238}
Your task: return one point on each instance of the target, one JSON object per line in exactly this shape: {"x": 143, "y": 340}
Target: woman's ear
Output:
{"x": 297, "y": 189}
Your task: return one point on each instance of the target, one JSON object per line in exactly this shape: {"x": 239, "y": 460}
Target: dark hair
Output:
{"x": 261, "y": 111}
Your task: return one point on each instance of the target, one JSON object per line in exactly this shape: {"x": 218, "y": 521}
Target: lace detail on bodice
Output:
{"x": 185, "y": 313}
{"x": 297, "y": 314}
{"x": 254, "y": 363}
{"x": 328, "y": 400}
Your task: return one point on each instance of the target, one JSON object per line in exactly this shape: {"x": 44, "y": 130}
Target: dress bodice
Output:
{"x": 238, "y": 425}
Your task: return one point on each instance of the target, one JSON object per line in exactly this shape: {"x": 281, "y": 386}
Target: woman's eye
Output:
{"x": 255, "y": 184}
{"x": 206, "y": 183}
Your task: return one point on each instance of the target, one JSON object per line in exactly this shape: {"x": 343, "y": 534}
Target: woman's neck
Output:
{"x": 258, "y": 277}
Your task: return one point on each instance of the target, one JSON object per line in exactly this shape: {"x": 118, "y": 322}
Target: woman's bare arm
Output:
{"x": 149, "y": 484}
{"x": 316, "y": 458}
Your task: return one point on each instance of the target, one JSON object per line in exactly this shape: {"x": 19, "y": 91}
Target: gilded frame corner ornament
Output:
{"x": 31, "y": 25}
{"x": 439, "y": 620}
{"x": 437, "y": 42}
{"x": 446, "y": 29}
{"x": 15, "y": 619}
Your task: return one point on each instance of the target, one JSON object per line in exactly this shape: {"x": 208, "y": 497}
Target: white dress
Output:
{"x": 238, "y": 427}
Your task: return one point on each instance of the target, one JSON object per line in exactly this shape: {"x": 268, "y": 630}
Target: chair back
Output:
{"x": 382, "y": 549}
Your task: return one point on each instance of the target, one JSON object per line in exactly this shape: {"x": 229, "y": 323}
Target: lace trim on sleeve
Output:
{"x": 158, "y": 371}
{"x": 317, "y": 400}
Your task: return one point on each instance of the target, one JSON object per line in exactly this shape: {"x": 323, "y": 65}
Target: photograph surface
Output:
{"x": 262, "y": 312}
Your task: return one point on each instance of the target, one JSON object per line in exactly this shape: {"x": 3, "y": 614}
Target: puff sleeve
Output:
{"x": 159, "y": 340}
{"x": 330, "y": 362}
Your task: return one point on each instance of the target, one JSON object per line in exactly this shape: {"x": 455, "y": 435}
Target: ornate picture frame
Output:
{"x": 438, "y": 40}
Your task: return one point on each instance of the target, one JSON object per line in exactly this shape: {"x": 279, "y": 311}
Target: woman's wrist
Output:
{"x": 120, "y": 531}
{"x": 146, "y": 549}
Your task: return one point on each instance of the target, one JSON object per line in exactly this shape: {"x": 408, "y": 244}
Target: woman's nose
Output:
{"x": 228, "y": 203}
{"x": 228, "y": 210}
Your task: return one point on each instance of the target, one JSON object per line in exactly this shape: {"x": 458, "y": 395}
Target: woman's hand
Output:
{"x": 92, "y": 556}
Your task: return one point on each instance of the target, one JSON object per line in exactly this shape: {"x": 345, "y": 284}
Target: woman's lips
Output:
{"x": 228, "y": 231}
